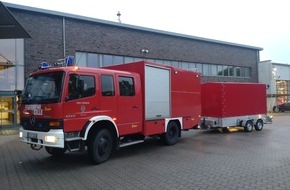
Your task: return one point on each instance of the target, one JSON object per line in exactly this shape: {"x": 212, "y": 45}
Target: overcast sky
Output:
{"x": 259, "y": 23}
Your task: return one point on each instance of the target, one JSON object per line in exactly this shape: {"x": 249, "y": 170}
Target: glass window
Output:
{"x": 191, "y": 66}
{"x": 167, "y": 63}
{"x": 136, "y": 59}
{"x": 118, "y": 60}
{"x": 159, "y": 61}
{"x": 7, "y": 74}
{"x": 43, "y": 88}
{"x": 282, "y": 91}
{"x": 87, "y": 86}
{"x": 174, "y": 63}
{"x": 6, "y": 111}
{"x": 93, "y": 60}
{"x": 184, "y": 65}
{"x": 205, "y": 69}
{"x": 231, "y": 71}
{"x": 225, "y": 70}
{"x": 20, "y": 77}
{"x": 151, "y": 60}
{"x": 220, "y": 70}
{"x": 73, "y": 87}
{"x": 81, "y": 59}
{"x": 245, "y": 72}
{"x": 213, "y": 70}
{"x": 11, "y": 64}
{"x": 126, "y": 86}
{"x": 107, "y": 60}
{"x": 129, "y": 59}
{"x": 198, "y": 67}
{"x": 238, "y": 71}
{"x": 107, "y": 82}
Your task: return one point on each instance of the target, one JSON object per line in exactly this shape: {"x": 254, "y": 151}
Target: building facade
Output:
{"x": 277, "y": 78}
{"x": 97, "y": 43}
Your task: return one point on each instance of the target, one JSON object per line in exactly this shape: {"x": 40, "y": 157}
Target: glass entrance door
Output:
{"x": 6, "y": 111}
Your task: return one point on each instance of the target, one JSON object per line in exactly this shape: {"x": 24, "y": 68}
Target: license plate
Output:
{"x": 32, "y": 135}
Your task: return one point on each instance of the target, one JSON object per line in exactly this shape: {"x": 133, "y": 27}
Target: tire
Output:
{"x": 225, "y": 129}
{"x": 100, "y": 146}
{"x": 249, "y": 126}
{"x": 55, "y": 151}
{"x": 276, "y": 109}
{"x": 170, "y": 137}
{"x": 259, "y": 125}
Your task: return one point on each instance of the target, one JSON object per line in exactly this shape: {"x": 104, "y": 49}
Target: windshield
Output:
{"x": 43, "y": 88}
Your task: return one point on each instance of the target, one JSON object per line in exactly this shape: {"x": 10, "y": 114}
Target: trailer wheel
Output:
{"x": 55, "y": 151}
{"x": 100, "y": 147}
{"x": 225, "y": 129}
{"x": 259, "y": 125}
{"x": 249, "y": 126}
{"x": 170, "y": 137}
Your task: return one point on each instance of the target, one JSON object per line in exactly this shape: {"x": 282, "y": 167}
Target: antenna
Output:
{"x": 119, "y": 16}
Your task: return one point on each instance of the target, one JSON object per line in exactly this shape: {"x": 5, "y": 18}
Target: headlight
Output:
{"x": 51, "y": 139}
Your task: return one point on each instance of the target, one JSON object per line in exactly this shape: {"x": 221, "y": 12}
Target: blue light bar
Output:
{"x": 69, "y": 61}
{"x": 44, "y": 65}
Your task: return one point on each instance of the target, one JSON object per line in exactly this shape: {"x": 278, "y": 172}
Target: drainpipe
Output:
{"x": 63, "y": 36}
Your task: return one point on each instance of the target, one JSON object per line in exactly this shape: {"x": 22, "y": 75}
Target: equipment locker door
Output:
{"x": 157, "y": 93}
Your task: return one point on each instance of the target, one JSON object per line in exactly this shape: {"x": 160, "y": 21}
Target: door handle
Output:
{"x": 135, "y": 107}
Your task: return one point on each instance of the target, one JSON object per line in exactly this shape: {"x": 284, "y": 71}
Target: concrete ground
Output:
{"x": 200, "y": 160}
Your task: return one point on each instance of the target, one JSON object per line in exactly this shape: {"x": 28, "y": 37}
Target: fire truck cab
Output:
{"x": 103, "y": 109}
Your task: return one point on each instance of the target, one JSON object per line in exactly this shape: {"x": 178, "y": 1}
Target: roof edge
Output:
{"x": 117, "y": 24}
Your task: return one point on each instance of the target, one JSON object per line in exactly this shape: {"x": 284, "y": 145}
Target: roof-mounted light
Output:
{"x": 44, "y": 65}
{"x": 69, "y": 60}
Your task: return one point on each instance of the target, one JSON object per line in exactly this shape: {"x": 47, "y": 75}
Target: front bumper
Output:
{"x": 52, "y": 138}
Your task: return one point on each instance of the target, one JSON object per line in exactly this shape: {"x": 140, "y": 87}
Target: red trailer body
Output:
{"x": 233, "y": 99}
{"x": 232, "y": 104}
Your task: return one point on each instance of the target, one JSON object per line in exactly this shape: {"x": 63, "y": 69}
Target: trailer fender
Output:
{"x": 96, "y": 119}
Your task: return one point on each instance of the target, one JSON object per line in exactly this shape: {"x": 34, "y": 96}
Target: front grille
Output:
{"x": 37, "y": 125}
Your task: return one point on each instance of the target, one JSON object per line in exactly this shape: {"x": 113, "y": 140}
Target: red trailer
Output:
{"x": 233, "y": 104}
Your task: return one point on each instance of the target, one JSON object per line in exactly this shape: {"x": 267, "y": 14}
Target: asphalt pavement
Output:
{"x": 202, "y": 159}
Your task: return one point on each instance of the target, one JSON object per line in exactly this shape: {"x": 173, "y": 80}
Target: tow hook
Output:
{"x": 35, "y": 147}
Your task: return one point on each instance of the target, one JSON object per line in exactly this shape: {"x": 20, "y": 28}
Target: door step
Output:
{"x": 130, "y": 143}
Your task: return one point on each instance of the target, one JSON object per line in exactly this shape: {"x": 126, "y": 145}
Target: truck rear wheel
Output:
{"x": 170, "y": 137}
{"x": 259, "y": 125}
{"x": 249, "y": 126}
{"x": 100, "y": 147}
{"x": 55, "y": 151}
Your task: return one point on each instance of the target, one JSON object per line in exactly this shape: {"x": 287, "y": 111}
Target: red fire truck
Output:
{"x": 102, "y": 109}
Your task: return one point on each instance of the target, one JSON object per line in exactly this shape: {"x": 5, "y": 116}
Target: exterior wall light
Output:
{"x": 145, "y": 51}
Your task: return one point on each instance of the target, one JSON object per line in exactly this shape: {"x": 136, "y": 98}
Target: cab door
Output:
{"x": 129, "y": 104}
{"x": 81, "y": 100}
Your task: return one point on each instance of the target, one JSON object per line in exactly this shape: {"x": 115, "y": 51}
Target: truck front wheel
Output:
{"x": 55, "y": 151}
{"x": 170, "y": 137}
{"x": 100, "y": 147}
